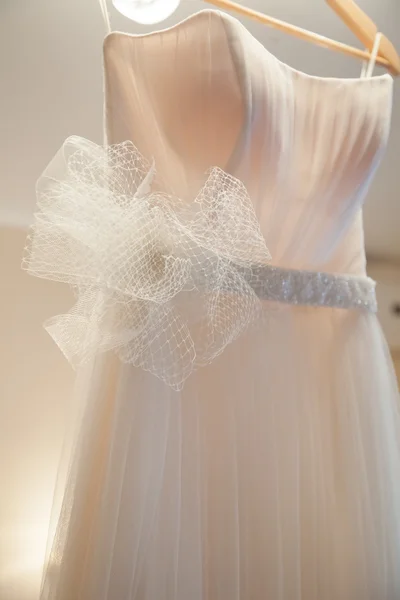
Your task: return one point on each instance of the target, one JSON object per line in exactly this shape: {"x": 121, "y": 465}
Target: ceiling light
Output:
{"x": 146, "y": 12}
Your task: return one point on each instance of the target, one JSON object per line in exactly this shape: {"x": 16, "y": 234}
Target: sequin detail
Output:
{"x": 314, "y": 288}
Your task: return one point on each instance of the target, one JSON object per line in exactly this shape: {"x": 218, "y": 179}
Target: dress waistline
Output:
{"x": 313, "y": 288}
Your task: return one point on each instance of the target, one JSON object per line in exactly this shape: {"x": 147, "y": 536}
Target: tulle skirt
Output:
{"x": 273, "y": 475}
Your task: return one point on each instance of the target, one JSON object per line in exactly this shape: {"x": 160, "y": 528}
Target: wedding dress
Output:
{"x": 236, "y": 432}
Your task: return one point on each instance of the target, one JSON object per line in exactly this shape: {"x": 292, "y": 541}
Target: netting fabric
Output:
{"x": 162, "y": 283}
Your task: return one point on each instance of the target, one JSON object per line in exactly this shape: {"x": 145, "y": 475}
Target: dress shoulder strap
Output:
{"x": 106, "y": 15}
{"x": 368, "y": 67}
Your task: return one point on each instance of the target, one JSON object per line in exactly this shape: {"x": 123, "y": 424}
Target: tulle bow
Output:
{"x": 163, "y": 283}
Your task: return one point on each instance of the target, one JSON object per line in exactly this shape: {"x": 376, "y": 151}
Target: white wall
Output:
{"x": 388, "y": 292}
{"x": 35, "y": 384}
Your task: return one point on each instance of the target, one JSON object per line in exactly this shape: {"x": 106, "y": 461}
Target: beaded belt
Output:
{"x": 313, "y": 288}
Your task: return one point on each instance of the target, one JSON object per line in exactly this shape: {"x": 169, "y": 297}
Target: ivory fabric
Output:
{"x": 273, "y": 473}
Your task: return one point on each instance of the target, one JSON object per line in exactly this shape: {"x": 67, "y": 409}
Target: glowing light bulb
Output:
{"x": 146, "y": 12}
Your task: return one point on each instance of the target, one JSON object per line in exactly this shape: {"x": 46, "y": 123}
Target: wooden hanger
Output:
{"x": 365, "y": 30}
{"x": 355, "y": 19}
